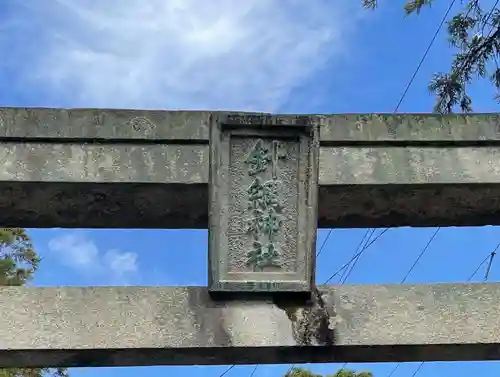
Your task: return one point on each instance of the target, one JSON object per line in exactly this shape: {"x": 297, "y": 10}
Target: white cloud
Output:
{"x": 191, "y": 54}
{"x": 121, "y": 263}
{"x": 78, "y": 251}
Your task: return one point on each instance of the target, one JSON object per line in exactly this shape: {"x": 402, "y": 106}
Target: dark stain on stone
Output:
{"x": 210, "y": 323}
{"x": 392, "y": 124}
{"x": 310, "y": 320}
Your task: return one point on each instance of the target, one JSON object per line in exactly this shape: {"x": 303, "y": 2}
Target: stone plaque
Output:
{"x": 263, "y": 204}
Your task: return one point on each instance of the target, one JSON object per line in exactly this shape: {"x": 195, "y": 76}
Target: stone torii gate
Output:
{"x": 261, "y": 183}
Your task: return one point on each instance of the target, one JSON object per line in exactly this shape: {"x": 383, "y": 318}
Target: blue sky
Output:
{"x": 314, "y": 56}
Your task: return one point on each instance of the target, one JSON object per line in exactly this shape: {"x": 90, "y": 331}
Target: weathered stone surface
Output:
{"x": 263, "y": 205}
{"x": 165, "y": 186}
{"x": 124, "y": 326}
{"x": 104, "y": 163}
{"x": 409, "y": 165}
{"x": 104, "y": 124}
{"x": 189, "y": 164}
{"x": 193, "y": 126}
{"x": 411, "y": 128}
{"x": 145, "y": 169}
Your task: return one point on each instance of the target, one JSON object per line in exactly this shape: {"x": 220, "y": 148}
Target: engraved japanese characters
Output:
{"x": 263, "y": 185}
{"x": 265, "y": 205}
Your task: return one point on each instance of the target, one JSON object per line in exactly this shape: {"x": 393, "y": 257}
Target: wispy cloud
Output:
{"x": 76, "y": 250}
{"x": 191, "y": 54}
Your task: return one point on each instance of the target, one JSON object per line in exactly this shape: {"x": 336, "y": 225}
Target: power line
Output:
{"x": 254, "y": 370}
{"x": 490, "y": 256}
{"x": 418, "y": 369}
{"x": 324, "y": 242}
{"x": 355, "y": 262}
{"x": 356, "y": 259}
{"x": 424, "y": 56}
{"x": 490, "y": 13}
{"x": 478, "y": 267}
{"x": 424, "y": 250}
{"x": 227, "y": 370}
{"x": 357, "y": 255}
{"x": 487, "y": 273}
{"x": 412, "y": 79}
{"x": 342, "y": 281}
{"x": 317, "y": 255}
{"x": 405, "y": 92}
{"x": 395, "y": 368}
{"x": 346, "y": 272}
{"x": 470, "y": 50}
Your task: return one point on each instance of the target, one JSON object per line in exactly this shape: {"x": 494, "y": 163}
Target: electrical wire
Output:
{"x": 392, "y": 371}
{"x": 424, "y": 56}
{"x": 317, "y": 255}
{"x": 346, "y": 271}
{"x": 227, "y": 370}
{"x": 490, "y": 256}
{"x": 493, "y": 253}
{"x": 324, "y": 242}
{"x": 357, "y": 255}
{"x": 343, "y": 281}
{"x": 254, "y": 370}
{"x": 424, "y": 250}
{"x": 489, "y": 16}
{"x": 478, "y": 268}
{"x": 470, "y": 50}
{"x": 421, "y": 254}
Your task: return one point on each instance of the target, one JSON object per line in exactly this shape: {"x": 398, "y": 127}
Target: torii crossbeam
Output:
{"x": 94, "y": 168}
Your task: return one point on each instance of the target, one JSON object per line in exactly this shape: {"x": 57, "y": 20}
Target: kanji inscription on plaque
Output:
{"x": 263, "y": 204}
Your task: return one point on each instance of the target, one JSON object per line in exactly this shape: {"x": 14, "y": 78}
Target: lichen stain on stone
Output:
{"x": 142, "y": 123}
{"x": 312, "y": 322}
{"x": 361, "y": 120}
{"x": 201, "y": 154}
{"x": 418, "y": 120}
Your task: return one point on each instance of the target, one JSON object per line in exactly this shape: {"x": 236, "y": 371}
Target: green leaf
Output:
{"x": 415, "y": 6}
{"x": 474, "y": 35}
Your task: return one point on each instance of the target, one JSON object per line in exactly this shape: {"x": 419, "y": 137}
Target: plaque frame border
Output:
{"x": 222, "y": 128}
